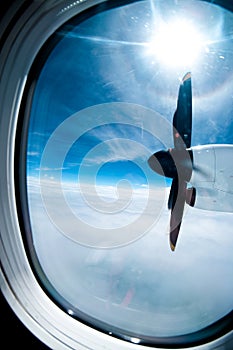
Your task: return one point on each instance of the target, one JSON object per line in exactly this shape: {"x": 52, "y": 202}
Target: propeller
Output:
{"x": 177, "y": 163}
{"x": 182, "y": 133}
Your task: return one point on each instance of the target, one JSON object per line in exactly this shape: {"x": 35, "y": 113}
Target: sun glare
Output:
{"x": 176, "y": 44}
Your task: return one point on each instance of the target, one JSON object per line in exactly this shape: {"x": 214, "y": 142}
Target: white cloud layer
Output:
{"x": 143, "y": 286}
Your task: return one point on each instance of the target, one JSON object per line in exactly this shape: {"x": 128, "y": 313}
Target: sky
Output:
{"x": 103, "y": 103}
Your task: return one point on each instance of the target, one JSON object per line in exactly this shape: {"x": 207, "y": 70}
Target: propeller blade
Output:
{"x": 182, "y": 119}
{"x": 177, "y": 210}
{"x": 173, "y": 193}
{"x": 174, "y": 236}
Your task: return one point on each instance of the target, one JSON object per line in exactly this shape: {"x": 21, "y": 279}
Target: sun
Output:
{"x": 177, "y": 44}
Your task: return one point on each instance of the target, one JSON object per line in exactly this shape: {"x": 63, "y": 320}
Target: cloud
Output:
{"x": 33, "y": 153}
{"x": 115, "y": 150}
{"x": 50, "y": 169}
{"x": 171, "y": 293}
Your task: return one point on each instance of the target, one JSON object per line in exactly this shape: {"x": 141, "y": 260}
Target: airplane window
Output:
{"x": 129, "y": 172}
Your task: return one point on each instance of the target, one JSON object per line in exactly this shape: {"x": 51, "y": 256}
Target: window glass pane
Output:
{"x": 102, "y": 105}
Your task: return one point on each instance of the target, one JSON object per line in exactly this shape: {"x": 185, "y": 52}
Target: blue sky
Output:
{"x": 103, "y": 103}
{"x": 105, "y": 59}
